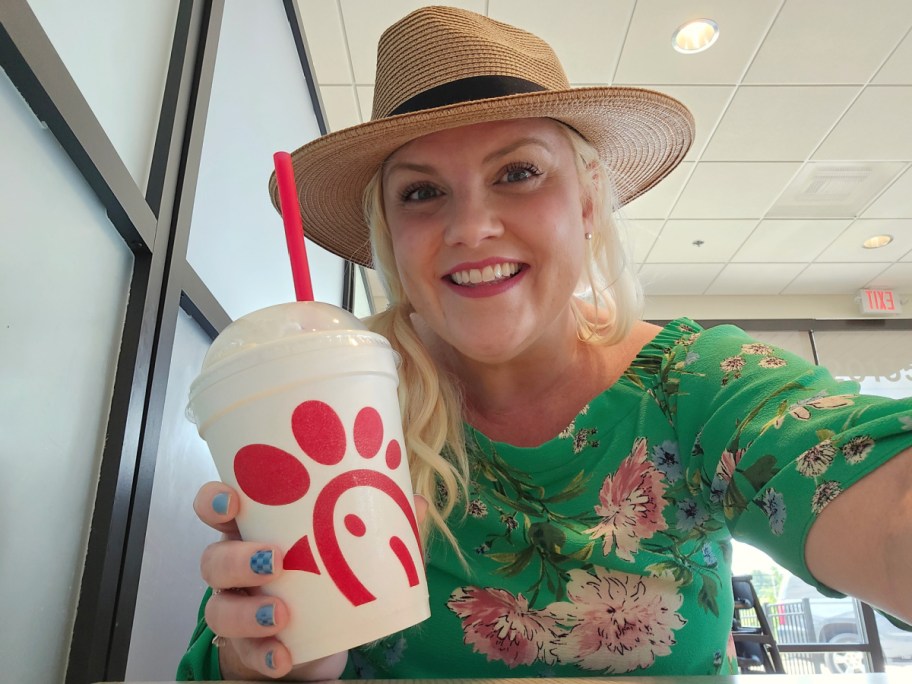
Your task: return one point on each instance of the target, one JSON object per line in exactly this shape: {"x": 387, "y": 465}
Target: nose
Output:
{"x": 472, "y": 219}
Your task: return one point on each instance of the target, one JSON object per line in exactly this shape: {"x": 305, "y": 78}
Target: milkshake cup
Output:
{"x": 298, "y": 405}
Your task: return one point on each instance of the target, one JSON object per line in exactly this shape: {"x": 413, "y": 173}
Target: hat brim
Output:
{"x": 641, "y": 135}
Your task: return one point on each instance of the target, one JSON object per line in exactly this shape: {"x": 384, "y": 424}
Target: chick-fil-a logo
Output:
{"x": 273, "y": 477}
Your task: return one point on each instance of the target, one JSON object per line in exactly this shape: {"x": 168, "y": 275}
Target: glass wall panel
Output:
{"x": 880, "y": 361}
{"x": 117, "y": 52}
{"x": 259, "y": 105}
{"x": 170, "y": 585}
{"x": 64, "y": 278}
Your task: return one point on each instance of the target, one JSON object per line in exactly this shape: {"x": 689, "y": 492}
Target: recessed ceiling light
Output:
{"x": 695, "y": 36}
{"x": 877, "y": 241}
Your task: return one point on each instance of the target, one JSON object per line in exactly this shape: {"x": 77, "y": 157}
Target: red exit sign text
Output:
{"x": 880, "y": 302}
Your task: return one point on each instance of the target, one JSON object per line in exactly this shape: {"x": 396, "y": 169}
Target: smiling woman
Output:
{"x": 586, "y": 472}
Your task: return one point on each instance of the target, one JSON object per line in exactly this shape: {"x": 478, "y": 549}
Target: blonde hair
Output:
{"x": 430, "y": 398}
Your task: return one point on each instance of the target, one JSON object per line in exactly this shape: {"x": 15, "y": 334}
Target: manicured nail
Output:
{"x": 265, "y": 615}
{"x": 261, "y": 562}
{"x": 269, "y": 660}
{"x": 220, "y": 503}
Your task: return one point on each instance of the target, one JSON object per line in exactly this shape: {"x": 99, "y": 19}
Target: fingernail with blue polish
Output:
{"x": 261, "y": 562}
{"x": 270, "y": 663}
{"x": 220, "y": 503}
{"x": 265, "y": 615}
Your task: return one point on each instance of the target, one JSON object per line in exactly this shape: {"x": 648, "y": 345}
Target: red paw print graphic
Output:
{"x": 274, "y": 477}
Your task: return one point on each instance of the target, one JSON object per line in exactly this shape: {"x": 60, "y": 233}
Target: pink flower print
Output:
{"x": 503, "y": 627}
{"x": 631, "y": 504}
{"x": 616, "y": 622}
{"x": 724, "y": 473}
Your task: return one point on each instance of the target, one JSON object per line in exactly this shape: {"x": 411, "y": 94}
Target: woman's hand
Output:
{"x": 245, "y": 619}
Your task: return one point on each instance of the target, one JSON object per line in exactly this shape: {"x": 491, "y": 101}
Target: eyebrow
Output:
{"x": 390, "y": 168}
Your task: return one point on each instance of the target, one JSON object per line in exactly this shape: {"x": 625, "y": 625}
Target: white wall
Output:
{"x": 819, "y": 307}
{"x": 64, "y": 278}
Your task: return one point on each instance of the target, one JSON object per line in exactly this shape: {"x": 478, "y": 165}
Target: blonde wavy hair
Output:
{"x": 608, "y": 301}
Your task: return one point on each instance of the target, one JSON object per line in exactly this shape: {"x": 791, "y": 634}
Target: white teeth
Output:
{"x": 488, "y": 274}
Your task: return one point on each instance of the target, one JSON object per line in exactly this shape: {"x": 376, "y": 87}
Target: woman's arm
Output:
{"x": 861, "y": 544}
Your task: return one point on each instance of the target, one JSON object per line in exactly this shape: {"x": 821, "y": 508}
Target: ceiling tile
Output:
{"x": 677, "y": 279}
{"x": 587, "y": 36}
{"x": 833, "y": 278}
{"x": 657, "y": 202}
{"x": 814, "y": 41}
{"x": 896, "y": 277}
{"x": 718, "y": 240}
{"x": 765, "y": 123}
{"x": 789, "y": 240}
{"x": 898, "y": 69}
{"x": 895, "y": 202}
{"x": 648, "y": 56}
{"x": 847, "y": 247}
{"x": 365, "y": 20}
{"x": 706, "y": 103}
{"x": 754, "y": 279}
{"x": 340, "y": 106}
{"x": 876, "y": 127}
{"x": 640, "y": 235}
{"x": 325, "y": 41}
{"x": 732, "y": 189}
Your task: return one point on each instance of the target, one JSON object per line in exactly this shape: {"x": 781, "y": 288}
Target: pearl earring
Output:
{"x": 588, "y": 236}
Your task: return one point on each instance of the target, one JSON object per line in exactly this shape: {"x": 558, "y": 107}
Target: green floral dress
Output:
{"x": 606, "y": 550}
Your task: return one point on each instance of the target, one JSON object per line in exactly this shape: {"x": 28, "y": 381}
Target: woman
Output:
{"x": 586, "y": 470}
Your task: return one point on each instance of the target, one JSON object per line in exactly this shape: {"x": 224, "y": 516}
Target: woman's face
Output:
{"x": 488, "y": 230}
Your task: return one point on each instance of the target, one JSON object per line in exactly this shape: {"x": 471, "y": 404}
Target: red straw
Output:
{"x": 294, "y": 230}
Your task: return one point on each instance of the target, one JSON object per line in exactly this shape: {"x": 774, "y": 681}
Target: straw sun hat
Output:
{"x": 441, "y": 67}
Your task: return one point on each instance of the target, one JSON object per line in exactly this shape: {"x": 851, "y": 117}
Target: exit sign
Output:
{"x": 880, "y": 302}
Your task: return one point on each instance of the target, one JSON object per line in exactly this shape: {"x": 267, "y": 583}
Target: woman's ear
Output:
{"x": 591, "y": 189}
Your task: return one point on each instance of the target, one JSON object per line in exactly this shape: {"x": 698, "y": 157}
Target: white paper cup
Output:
{"x": 298, "y": 405}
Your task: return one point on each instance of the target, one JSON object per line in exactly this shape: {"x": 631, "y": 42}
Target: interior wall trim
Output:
{"x": 178, "y": 151}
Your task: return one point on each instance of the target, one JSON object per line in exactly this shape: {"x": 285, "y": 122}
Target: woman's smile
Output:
{"x": 487, "y": 225}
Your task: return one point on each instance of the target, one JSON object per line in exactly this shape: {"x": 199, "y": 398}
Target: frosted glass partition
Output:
{"x": 118, "y": 53}
{"x": 64, "y": 278}
{"x": 796, "y": 341}
{"x": 880, "y": 361}
{"x": 259, "y": 105}
{"x": 170, "y": 586}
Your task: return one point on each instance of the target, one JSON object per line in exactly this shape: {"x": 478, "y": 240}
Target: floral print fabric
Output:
{"x": 606, "y": 550}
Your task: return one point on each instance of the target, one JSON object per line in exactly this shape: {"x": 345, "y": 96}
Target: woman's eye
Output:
{"x": 419, "y": 193}
{"x": 519, "y": 172}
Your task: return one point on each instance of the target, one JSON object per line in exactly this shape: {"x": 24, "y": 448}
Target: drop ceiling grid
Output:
{"x": 840, "y": 107}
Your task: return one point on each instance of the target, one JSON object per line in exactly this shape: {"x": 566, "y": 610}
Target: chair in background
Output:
{"x": 755, "y": 645}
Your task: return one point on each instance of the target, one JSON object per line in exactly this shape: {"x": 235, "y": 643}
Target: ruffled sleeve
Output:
{"x": 772, "y": 438}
